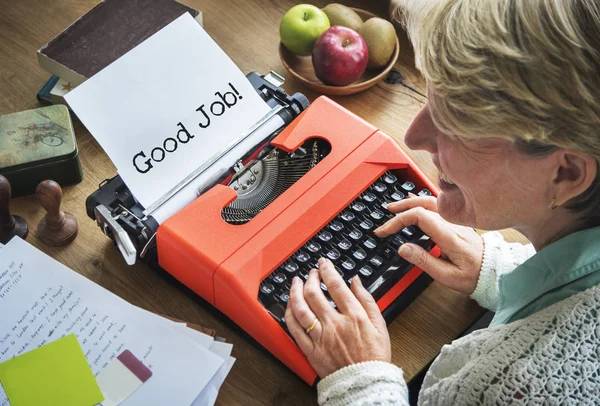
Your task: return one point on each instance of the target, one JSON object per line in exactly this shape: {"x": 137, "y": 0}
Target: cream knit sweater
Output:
{"x": 551, "y": 357}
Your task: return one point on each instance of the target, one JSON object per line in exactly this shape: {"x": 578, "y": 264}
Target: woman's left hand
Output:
{"x": 355, "y": 333}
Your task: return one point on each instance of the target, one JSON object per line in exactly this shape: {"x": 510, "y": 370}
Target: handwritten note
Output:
{"x": 48, "y": 301}
{"x": 166, "y": 107}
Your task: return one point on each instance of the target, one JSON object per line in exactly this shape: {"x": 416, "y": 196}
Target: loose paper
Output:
{"x": 48, "y": 301}
{"x": 54, "y": 374}
{"x": 166, "y": 107}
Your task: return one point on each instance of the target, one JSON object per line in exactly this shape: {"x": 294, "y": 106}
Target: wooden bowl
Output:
{"x": 301, "y": 68}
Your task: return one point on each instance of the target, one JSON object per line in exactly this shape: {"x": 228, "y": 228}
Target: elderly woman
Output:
{"x": 513, "y": 124}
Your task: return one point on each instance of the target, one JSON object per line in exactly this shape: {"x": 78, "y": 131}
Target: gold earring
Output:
{"x": 553, "y": 206}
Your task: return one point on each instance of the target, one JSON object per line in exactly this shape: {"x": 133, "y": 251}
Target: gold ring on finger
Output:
{"x": 312, "y": 326}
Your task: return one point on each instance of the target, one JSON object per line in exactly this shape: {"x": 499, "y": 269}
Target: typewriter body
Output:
{"x": 318, "y": 187}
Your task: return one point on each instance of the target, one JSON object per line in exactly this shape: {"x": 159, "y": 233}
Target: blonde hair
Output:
{"x": 523, "y": 70}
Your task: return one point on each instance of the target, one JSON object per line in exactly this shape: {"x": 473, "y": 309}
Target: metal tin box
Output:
{"x": 36, "y": 145}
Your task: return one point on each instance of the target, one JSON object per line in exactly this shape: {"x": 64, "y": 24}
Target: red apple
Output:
{"x": 340, "y": 56}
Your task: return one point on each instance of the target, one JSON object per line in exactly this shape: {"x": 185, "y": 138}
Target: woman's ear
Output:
{"x": 575, "y": 173}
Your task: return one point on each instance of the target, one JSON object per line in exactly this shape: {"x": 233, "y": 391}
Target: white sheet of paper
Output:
{"x": 147, "y": 102}
{"x": 48, "y": 300}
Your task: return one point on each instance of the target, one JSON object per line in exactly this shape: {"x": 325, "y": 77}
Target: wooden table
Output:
{"x": 248, "y": 32}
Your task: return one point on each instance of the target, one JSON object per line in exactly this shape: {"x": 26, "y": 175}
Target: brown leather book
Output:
{"x": 105, "y": 33}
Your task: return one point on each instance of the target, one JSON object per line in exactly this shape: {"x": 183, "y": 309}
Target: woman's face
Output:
{"x": 483, "y": 183}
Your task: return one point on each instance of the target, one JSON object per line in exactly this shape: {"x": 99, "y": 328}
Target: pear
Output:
{"x": 380, "y": 36}
{"x": 339, "y": 14}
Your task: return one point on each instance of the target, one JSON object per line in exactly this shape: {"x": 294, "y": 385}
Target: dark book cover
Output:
{"x": 105, "y": 33}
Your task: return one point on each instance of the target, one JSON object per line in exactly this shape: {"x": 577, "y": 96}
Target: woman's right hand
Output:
{"x": 462, "y": 248}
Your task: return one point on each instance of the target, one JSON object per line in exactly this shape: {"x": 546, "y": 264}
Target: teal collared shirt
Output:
{"x": 563, "y": 268}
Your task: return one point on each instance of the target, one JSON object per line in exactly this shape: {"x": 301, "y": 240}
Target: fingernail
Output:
{"x": 295, "y": 280}
{"x": 379, "y": 229}
{"x": 321, "y": 261}
{"x": 405, "y": 250}
{"x": 312, "y": 271}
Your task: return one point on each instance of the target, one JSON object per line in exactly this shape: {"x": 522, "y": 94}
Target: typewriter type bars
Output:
{"x": 349, "y": 242}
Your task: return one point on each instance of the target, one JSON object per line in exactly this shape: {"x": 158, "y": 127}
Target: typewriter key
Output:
{"x": 325, "y": 236}
{"x": 359, "y": 254}
{"x": 313, "y": 246}
{"x": 425, "y": 192}
{"x": 347, "y": 216}
{"x": 336, "y": 226}
{"x": 366, "y": 224}
{"x": 379, "y": 187}
{"x": 370, "y": 243}
{"x": 358, "y": 206}
{"x": 369, "y": 197}
{"x": 389, "y": 178}
{"x": 290, "y": 267}
{"x": 408, "y": 187}
{"x": 397, "y": 196}
{"x": 348, "y": 264}
{"x": 365, "y": 271}
{"x": 302, "y": 256}
{"x": 333, "y": 254}
{"x": 344, "y": 244}
{"x": 355, "y": 234}
{"x": 376, "y": 261}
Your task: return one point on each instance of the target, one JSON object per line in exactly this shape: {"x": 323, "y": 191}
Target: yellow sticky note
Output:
{"x": 54, "y": 374}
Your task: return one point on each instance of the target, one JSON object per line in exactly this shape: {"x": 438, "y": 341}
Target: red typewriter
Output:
{"x": 317, "y": 189}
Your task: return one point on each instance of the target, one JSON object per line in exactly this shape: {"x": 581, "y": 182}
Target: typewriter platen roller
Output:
{"x": 319, "y": 187}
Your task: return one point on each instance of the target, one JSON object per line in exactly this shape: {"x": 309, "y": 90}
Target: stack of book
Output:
{"x": 98, "y": 38}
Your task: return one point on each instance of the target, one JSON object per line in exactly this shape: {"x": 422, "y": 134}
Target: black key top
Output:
{"x": 344, "y": 244}
{"x": 408, "y": 187}
{"x": 301, "y": 256}
{"x": 278, "y": 278}
{"x": 366, "y": 224}
{"x": 397, "y": 196}
{"x": 290, "y": 266}
{"x": 408, "y": 232}
{"x": 284, "y": 297}
{"x": 313, "y": 246}
{"x": 379, "y": 187}
{"x": 359, "y": 254}
{"x": 389, "y": 178}
{"x": 266, "y": 288}
{"x": 347, "y": 216}
{"x": 336, "y": 226}
{"x": 370, "y": 243}
{"x": 376, "y": 261}
{"x": 396, "y": 241}
{"x": 425, "y": 192}
{"x": 389, "y": 252}
{"x": 348, "y": 264}
{"x": 325, "y": 236}
{"x": 369, "y": 197}
{"x": 333, "y": 254}
{"x": 355, "y": 234}
{"x": 365, "y": 271}
{"x": 377, "y": 215}
{"x": 358, "y": 206}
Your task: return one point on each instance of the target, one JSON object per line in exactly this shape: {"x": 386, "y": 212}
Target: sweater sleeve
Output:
{"x": 499, "y": 257}
{"x": 360, "y": 384}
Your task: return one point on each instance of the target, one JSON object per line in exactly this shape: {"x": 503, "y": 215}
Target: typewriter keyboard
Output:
{"x": 349, "y": 242}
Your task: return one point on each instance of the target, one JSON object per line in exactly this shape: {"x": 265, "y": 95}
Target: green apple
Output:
{"x": 301, "y": 26}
